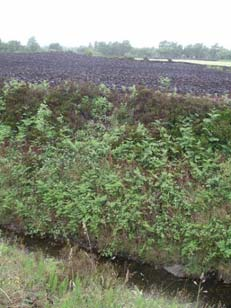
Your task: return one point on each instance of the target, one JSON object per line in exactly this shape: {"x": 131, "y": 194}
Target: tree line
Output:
{"x": 166, "y": 49}
{"x": 31, "y": 46}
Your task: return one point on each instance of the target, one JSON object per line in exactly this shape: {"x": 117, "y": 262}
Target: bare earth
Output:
{"x": 56, "y": 67}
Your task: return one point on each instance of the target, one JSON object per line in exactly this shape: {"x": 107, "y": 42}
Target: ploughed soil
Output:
{"x": 59, "y": 66}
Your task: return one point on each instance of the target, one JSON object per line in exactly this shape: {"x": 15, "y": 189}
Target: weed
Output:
{"x": 164, "y": 83}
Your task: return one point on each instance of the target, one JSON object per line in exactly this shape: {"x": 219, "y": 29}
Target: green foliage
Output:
{"x": 164, "y": 83}
{"x": 217, "y": 129}
{"x": 55, "y": 47}
{"x": 75, "y": 163}
{"x": 170, "y": 49}
{"x": 33, "y": 45}
{"x": 88, "y": 52}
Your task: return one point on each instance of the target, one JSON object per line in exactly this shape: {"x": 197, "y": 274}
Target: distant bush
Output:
{"x": 55, "y": 47}
{"x": 164, "y": 83}
{"x": 88, "y": 52}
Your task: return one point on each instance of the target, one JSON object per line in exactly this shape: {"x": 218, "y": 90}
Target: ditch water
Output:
{"x": 145, "y": 277}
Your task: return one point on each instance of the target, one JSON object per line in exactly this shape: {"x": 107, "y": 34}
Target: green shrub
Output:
{"x": 149, "y": 177}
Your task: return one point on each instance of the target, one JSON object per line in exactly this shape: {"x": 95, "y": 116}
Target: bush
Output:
{"x": 139, "y": 173}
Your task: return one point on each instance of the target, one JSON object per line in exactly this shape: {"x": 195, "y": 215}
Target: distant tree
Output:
{"x": 101, "y": 47}
{"x": 55, "y": 47}
{"x": 117, "y": 49}
{"x": 84, "y": 50}
{"x": 196, "y": 51}
{"x": 224, "y": 54}
{"x": 144, "y": 52}
{"x": 32, "y": 45}
{"x": 215, "y": 52}
{"x": 2, "y": 46}
{"x": 125, "y": 47}
{"x": 14, "y": 46}
{"x": 170, "y": 50}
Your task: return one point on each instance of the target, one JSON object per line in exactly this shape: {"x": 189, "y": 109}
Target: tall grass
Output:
{"x": 30, "y": 280}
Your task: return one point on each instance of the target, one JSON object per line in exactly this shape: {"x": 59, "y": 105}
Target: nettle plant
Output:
{"x": 164, "y": 83}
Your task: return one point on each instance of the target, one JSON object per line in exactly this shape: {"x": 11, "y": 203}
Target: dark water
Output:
{"x": 212, "y": 294}
{"x": 146, "y": 277}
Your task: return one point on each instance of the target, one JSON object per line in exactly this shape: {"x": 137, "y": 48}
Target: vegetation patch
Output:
{"x": 139, "y": 173}
{"x": 30, "y": 280}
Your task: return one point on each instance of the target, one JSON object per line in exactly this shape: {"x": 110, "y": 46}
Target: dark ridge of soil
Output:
{"x": 59, "y": 66}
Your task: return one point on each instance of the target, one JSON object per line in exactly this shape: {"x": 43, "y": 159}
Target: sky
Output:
{"x": 143, "y": 22}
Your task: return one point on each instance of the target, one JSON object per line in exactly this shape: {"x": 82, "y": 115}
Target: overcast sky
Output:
{"x": 142, "y": 22}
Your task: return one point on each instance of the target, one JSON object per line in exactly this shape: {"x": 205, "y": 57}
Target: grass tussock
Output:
{"x": 30, "y": 280}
